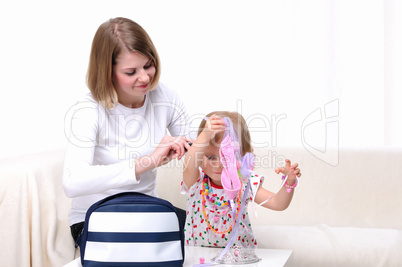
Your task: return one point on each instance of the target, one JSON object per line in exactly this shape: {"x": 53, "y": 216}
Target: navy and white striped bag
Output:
{"x": 132, "y": 229}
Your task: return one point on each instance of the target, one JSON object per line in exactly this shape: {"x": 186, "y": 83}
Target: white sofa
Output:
{"x": 349, "y": 214}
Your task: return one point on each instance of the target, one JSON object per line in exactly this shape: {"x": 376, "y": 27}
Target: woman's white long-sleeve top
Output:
{"x": 104, "y": 143}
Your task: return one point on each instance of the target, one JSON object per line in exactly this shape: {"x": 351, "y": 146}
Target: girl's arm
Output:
{"x": 282, "y": 199}
{"x": 195, "y": 154}
{"x": 193, "y": 160}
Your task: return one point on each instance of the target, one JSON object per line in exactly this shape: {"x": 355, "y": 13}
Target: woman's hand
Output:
{"x": 170, "y": 148}
{"x": 290, "y": 170}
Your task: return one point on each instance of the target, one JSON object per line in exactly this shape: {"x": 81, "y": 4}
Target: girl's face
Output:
{"x": 132, "y": 76}
{"x": 211, "y": 163}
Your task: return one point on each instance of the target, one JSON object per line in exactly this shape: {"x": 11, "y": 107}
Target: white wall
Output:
{"x": 280, "y": 63}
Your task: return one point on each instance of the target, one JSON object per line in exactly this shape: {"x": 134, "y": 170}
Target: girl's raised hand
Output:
{"x": 290, "y": 170}
{"x": 214, "y": 125}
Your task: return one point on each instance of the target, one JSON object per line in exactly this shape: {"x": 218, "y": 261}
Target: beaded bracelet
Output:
{"x": 290, "y": 187}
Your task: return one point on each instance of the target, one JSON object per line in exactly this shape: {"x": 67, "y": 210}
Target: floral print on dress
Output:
{"x": 219, "y": 215}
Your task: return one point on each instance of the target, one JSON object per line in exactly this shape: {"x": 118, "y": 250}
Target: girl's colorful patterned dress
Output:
{"x": 218, "y": 214}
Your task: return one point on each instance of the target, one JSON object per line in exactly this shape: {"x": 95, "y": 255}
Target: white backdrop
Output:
{"x": 309, "y": 73}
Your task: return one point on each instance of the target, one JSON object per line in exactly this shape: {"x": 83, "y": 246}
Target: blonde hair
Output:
{"x": 239, "y": 125}
{"x": 112, "y": 37}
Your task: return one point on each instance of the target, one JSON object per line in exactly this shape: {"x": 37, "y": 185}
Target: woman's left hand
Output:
{"x": 170, "y": 148}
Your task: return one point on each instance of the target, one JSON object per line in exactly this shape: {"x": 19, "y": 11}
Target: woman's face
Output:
{"x": 132, "y": 75}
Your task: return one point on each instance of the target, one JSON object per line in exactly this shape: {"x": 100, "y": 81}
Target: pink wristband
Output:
{"x": 290, "y": 187}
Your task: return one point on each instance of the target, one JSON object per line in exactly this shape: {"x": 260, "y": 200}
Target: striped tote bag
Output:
{"x": 132, "y": 229}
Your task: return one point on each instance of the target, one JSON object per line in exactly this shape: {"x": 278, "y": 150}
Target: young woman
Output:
{"x": 117, "y": 133}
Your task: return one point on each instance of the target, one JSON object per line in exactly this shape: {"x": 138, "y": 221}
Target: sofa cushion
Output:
{"x": 323, "y": 245}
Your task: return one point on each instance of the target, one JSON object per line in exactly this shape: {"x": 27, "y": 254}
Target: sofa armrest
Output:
{"x": 34, "y": 211}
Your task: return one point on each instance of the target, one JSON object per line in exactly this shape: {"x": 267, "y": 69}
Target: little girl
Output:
{"x": 217, "y": 171}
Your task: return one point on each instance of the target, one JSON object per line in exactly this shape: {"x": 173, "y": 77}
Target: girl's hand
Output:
{"x": 292, "y": 171}
{"x": 170, "y": 148}
{"x": 214, "y": 125}
{"x": 282, "y": 199}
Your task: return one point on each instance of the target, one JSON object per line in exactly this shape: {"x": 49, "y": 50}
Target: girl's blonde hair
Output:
{"x": 113, "y": 36}
{"x": 239, "y": 125}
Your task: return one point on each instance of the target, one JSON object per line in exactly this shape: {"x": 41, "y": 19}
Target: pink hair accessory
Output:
{"x": 230, "y": 177}
{"x": 247, "y": 164}
{"x": 290, "y": 187}
{"x": 202, "y": 260}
